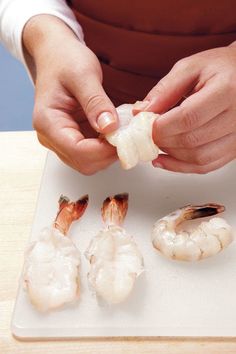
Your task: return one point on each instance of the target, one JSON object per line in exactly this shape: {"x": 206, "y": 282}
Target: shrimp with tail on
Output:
{"x": 51, "y": 271}
{"x": 115, "y": 260}
{"x": 206, "y": 240}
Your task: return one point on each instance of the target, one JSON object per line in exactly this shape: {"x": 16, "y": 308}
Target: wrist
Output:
{"x": 43, "y": 32}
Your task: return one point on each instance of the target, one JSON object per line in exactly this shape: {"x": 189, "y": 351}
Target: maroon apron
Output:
{"x": 137, "y": 42}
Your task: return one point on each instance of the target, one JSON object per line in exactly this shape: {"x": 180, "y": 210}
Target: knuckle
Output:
{"x": 227, "y": 87}
{"x": 86, "y": 172}
{"x": 41, "y": 140}
{"x": 182, "y": 64}
{"x": 35, "y": 116}
{"x": 225, "y": 82}
{"x": 190, "y": 118}
{"x": 190, "y": 140}
{"x": 199, "y": 159}
{"x": 83, "y": 168}
{"x": 93, "y": 102}
{"x": 38, "y": 117}
{"x": 203, "y": 170}
{"x": 80, "y": 70}
{"x": 202, "y": 159}
{"x": 161, "y": 86}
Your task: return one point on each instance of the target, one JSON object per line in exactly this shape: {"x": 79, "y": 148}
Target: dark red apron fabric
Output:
{"x": 137, "y": 42}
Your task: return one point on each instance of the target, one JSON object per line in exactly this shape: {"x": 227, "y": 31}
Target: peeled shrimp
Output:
{"x": 133, "y": 139}
{"x": 209, "y": 238}
{"x": 114, "y": 257}
{"x": 51, "y": 272}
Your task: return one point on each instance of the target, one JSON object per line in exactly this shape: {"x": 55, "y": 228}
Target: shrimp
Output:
{"x": 133, "y": 139}
{"x": 209, "y": 238}
{"x": 115, "y": 260}
{"x": 51, "y": 272}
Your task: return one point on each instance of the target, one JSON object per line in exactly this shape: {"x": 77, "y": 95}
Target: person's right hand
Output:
{"x": 71, "y": 107}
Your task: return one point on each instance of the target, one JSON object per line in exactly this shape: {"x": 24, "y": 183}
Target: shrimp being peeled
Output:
{"x": 133, "y": 139}
{"x": 206, "y": 240}
{"x": 115, "y": 260}
{"x": 51, "y": 272}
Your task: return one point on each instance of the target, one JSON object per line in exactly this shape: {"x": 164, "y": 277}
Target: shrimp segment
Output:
{"x": 51, "y": 272}
{"x": 115, "y": 260}
{"x": 209, "y": 238}
{"x": 133, "y": 139}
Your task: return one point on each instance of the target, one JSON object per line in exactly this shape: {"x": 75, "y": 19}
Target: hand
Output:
{"x": 199, "y": 134}
{"x": 71, "y": 107}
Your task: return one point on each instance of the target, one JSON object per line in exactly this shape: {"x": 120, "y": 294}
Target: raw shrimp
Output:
{"x": 133, "y": 139}
{"x": 115, "y": 259}
{"x": 51, "y": 272}
{"x": 209, "y": 238}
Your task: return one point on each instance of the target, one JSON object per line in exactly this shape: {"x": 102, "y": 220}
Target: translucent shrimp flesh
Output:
{"x": 115, "y": 260}
{"x": 51, "y": 272}
{"x": 133, "y": 138}
{"x": 206, "y": 240}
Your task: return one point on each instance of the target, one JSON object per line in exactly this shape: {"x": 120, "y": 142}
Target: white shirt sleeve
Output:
{"x": 14, "y": 14}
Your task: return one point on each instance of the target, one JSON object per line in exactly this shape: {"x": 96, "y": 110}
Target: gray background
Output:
{"x": 16, "y": 94}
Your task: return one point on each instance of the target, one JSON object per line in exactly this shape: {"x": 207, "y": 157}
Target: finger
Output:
{"x": 84, "y": 125}
{"x": 194, "y": 112}
{"x": 95, "y": 150}
{"x": 216, "y": 128}
{"x": 89, "y": 155}
{"x": 205, "y": 154}
{"x": 169, "y": 90}
{"x": 83, "y": 164}
{"x": 171, "y": 164}
{"x": 97, "y": 106}
{"x": 86, "y": 129}
{"x": 92, "y": 169}
{"x": 83, "y": 154}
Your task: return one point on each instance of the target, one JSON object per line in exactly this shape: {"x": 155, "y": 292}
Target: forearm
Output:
{"x": 41, "y": 35}
{"x": 15, "y": 14}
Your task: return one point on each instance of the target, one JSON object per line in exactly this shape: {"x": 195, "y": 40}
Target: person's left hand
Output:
{"x": 199, "y": 134}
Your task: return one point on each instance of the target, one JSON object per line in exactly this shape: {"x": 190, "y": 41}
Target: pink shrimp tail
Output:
{"x": 114, "y": 209}
{"x": 69, "y": 212}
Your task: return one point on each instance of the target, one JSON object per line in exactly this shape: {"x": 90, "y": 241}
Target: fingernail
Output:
{"x": 106, "y": 119}
{"x": 157, "y": 165}
{"x": 141, "y": 105}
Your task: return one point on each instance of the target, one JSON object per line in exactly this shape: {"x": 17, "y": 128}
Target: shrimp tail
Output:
{"x": 80, "y": 206}
{"x": 69, "y": 212}
{"x": 114, "y": 209}
{"x": 200, "y": 211}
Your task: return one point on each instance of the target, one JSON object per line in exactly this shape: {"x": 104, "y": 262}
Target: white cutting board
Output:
{"x": 170, "y": 298}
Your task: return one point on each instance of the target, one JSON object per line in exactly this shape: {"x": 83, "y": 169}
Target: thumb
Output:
{"x": 97, "y": 106}
{"x": 170, "y": 89}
